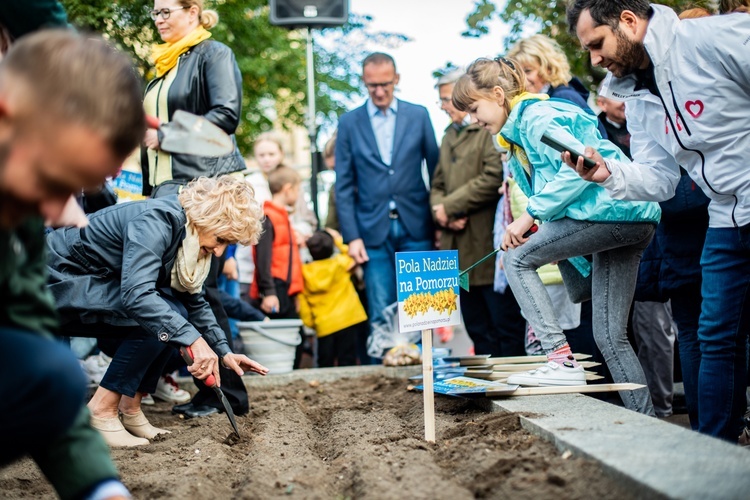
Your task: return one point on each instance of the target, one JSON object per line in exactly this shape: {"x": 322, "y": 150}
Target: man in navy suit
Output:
{"x": 382, "y": 200}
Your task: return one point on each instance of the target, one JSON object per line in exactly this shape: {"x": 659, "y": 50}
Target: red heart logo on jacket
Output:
{"x": 695, "y": 108}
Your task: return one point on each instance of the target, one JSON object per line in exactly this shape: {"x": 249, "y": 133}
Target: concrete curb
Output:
{"x": 658, "y": 459}
{"x": 654, "y": 458}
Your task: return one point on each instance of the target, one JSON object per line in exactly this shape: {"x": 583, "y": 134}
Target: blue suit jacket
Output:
{"x": 365, "y": 185}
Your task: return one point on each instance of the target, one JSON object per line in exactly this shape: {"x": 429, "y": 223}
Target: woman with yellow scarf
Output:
{"x": 196, "y": 74}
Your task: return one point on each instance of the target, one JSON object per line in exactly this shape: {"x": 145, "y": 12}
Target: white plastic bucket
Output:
{"x": 272, "y": 343}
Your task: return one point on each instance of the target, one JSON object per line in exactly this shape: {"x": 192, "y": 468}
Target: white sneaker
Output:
{"x": 550, "y": 374}
{"x": 95, "y": 367}
{"x": 168, "y": 390}
{"x": 148, "y": 400}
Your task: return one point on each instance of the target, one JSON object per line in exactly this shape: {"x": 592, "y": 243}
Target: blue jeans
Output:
{"x": 616, "y": 249}
{"x": 723, "y": 332}
{"x": 380, "y": 270}
{"x": 43, "y": 390}
{"x": 686, "y": 310}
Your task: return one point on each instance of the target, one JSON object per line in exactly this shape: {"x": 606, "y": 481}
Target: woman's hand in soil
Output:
{"x": 515, "y": 231}
{"x": 205, "y": 361}
{"x": 239, "y": 363}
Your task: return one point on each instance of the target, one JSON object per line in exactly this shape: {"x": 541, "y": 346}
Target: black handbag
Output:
{"x": 577, "y": 285}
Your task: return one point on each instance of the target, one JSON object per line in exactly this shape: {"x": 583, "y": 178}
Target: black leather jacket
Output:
{"x": 208, "y": 83}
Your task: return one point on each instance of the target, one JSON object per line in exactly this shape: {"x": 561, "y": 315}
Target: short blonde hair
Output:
{"x": 485, "y": 74}
{"x": 208, "y": 18}
{"x": 223, "y": 205}
{"x": 280, "y": 177}
{"x": 544, "y": 54}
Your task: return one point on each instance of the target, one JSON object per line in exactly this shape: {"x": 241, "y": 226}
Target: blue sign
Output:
{"x": 428, "y": 291}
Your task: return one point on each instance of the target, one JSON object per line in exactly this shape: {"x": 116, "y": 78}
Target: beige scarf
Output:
{"x": 190, "y": 269}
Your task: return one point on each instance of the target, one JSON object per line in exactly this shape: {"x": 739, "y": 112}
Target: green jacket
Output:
{"x": 79, "y": 459}
{"x": 466, "y": 182}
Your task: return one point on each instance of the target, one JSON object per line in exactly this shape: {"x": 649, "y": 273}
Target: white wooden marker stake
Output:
{"x": 427, "y": 382}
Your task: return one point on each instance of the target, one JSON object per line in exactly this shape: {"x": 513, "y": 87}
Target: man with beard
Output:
{"x": 695, "y": 73}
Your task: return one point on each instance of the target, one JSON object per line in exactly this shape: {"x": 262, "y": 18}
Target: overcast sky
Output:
{"x": 434, "y": 27}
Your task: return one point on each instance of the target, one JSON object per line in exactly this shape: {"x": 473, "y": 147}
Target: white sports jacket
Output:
{"x": 701, "y": 121}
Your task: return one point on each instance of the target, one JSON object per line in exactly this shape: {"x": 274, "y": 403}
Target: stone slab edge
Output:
{"x": 654, "y": 458}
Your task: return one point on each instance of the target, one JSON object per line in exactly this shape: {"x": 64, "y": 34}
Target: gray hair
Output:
{"x": 450, "y": 78}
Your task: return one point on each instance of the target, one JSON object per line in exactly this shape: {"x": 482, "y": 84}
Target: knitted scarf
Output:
{"x": 190, "y": 269}
{"x": 165, "y": 55}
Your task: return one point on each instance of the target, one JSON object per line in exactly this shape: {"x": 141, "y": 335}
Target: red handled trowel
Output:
{"x": 187, "y": 355}
{"x": 192, "y": 135}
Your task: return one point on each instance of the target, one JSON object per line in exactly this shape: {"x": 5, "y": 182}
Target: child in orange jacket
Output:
{"x": 278, "y": 269}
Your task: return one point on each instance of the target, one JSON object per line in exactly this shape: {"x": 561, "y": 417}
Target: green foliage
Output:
{"x": 448, "y": 68}
{"x": 548, "y": 17}
{"x": 272, "y": 59}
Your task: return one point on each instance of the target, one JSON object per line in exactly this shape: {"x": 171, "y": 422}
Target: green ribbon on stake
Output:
{"x": 463, "y": 276}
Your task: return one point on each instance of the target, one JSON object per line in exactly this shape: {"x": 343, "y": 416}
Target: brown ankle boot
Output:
{"x": 139, "y": 426}
{"x": 114, "y": 433}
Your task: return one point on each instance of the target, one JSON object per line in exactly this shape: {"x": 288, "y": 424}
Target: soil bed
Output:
{"x": 353, "y": 438}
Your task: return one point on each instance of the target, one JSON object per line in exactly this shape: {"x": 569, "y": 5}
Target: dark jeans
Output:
{"x": 686, "y": 310}
{"x": 138, "y": 356}
{"x": 43, "y": 390}
{"x": 723, "y": 332}
{"x": 339, "y": 347}
{"x": 493, "y": 321}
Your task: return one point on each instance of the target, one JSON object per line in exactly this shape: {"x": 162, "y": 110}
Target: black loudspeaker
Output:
{"x": 309, "y": 13}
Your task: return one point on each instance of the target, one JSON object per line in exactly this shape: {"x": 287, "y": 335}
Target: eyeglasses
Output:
{"x": 165, "y": 13}
{"x": 374, "y": 86}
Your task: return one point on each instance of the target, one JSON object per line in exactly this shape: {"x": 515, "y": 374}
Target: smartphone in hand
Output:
{"x": 559, "y": 146}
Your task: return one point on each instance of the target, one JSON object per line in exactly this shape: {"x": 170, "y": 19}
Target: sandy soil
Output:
{"x": 355, "y": 438}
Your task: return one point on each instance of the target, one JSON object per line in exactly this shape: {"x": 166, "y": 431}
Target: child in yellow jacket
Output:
{"x": 329, "y": 303}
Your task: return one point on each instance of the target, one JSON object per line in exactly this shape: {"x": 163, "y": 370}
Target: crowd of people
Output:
{"x": 655, "y": 231}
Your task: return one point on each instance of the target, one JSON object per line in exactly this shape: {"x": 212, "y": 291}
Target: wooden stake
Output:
{"x": 563, "y": 389}
{"x": 427, "y": 381}
{"x": 523, "y": 367}
{"x": 508, "y": 360}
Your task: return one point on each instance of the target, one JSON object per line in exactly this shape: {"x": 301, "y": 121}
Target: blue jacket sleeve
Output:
{"x": 431, "y": 149}
{"x": 202, "y": 318}
{"x": 346, "y": 180}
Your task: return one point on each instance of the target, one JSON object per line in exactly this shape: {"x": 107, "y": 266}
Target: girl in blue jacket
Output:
{"x": 577, "y": 218}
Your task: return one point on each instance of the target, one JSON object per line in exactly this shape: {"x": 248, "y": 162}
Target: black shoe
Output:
{"x": 200, "y": 411}
{"x": 181, "y": 409}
